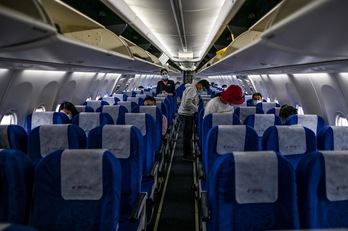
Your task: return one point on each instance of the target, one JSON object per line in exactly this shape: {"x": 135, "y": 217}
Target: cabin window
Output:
{"x": 40, "y": 109}
{"x": 89, "y": 98}
{"x": 9, "y": 118}
{"x": 341, "y": 120}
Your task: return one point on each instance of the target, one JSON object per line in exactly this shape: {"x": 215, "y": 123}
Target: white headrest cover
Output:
{"x": 230, "y": 138}
{"x": 336, "y": 172}
{"x": 80, "y": 108}
{"x": 89, "y": 120}
{"x": 133, "y": 99}
{"x": 268, "y": 105}
{"x": 292, "y": 140}
{"x": 77, "y": 182}
{"x": 245, "y": 111}
{"x": 256, "y": 177}
{"x": 53, "y": 137}
{"x": 113, "y": 111}
{"x": 138, "y": 120}
{"x": 110, "y": 100}
{"x": 151, "y": 110}
{"x": 40, "y": 118}
{"x": 262, "y": 122}
{"x": 94, "y": 104}
{"x": 4, "y": 142}
{"x": 309, "y": 121}
{"x": 340, "y": 137}
{"x": 116, "y": 138}
{"x": 127, "y": 104}
{"x": 222, "y": 119}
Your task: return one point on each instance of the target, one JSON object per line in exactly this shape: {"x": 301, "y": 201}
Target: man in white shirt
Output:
{"x": 224, "y": 102}
{"x": 187, "y": 110}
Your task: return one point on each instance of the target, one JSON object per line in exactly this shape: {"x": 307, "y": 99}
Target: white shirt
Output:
{"x": 215, "y": 105}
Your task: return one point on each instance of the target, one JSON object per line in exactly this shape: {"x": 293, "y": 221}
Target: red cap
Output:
{"x": 233, "y": 94}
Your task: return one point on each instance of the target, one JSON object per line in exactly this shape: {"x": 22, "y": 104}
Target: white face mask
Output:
{"x": 70, "y": 117}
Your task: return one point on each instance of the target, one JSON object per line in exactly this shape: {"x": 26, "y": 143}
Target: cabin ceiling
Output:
{"x": 195, "y": 29}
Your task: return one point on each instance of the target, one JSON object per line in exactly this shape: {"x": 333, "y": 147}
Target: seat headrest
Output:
{"x": 116, "y": 138}
{"x": 230, "y": 138}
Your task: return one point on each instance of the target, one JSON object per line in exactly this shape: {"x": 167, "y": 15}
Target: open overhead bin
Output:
{"x": 296, "y": 34}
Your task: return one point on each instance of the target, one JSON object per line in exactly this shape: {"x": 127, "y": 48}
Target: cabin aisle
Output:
{"x": 176, "y": 209}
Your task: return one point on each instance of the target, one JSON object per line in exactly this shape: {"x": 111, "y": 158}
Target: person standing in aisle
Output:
{"x": 165, "y": 85}
{"x": 187, "y": 110}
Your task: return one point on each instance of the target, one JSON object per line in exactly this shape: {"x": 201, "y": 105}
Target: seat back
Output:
{"x": 314, "y": 122}
{"x": 156, "y": 114}
{"x": 291, "y": 141}
{"x": 224, "y": 139}
{"x": 45, "y": 139}
{"x": 110, "y": 100}
{"x": 67, "y": 195}
{"x": 84, "y": 108}
{"x": 114, "y": 111}
{"x": 126, "y": 143}
{"x": 13, "y": 137}
{"x": 265, "y": 106}
{"x": 129, "y": 105}
{"x": 146, "y": 124}
{"x": 333, "y": 138}
{"x": 322, "y": 190}
{"x": 243, "y": 111}
{"x": 95, "y": 103}
{"x": 253, "y": 191}
{"x": 260, "y": 122}
{"x": 139, "y": 101}
{"x": 274, "y": 110}
{"x": 215, "y": 119}
{"x": 40, "y": 118}
{"x": 90, "y": 120}
{"x": 16, "y": 177}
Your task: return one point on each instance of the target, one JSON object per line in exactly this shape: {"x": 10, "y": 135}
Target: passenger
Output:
{"x": 256, "y": 98}
{"x": 165, "y": 86}
{"x": 187, "y": 110}
{"x": 224, "y": 86}
{"x": 151, "y": 101}
{"x": 223, "y": 102}
{"x": 69, "y": 109}
{"x": 286, "y": 111}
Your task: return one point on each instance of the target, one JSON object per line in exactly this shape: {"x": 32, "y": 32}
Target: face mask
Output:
{"x": 200, "y": 91}
{"x": 165, "y": 77}
{"x": 70, "y": 117}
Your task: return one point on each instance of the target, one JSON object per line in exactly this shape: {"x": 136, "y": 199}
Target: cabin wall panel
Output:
{"x": 5, "y": 78}
{"x": 30, "y": 89}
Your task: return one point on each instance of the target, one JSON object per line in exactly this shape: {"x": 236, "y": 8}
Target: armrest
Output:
{"x": 154, "y": 170}
{"x": 201, "y": 173}
{"x": 139, "y": 207}
{"x": 205, "y": 207}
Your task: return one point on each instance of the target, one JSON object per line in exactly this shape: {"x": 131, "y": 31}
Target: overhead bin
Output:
{"x": 29, "y": 20}
{"x": 297, "y": 34}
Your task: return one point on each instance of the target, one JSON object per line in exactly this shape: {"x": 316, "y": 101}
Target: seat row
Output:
{"x": 262, "y": 191}
{"x": 109, "y": 184}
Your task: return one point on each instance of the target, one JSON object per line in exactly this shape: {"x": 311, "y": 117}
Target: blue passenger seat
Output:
{"x": 40, "y": 118}
{"x": 90, "y": 120}
{"x": 77, "y": 190}
{"x": 251, "y": 191}
{"x": 114, "y": 111}
{"x": 16, "y": 183}
{"x": 13, "y": 137}
{"x": 322, "y": 190}
{"x": 314, "y": 122}
{"x": 293, "y": 142}
{"x": 243, "y": 111}
{"x": 126, "y": 143}
{"x": 45, "y": 139}
{"x": 333, "y": 138}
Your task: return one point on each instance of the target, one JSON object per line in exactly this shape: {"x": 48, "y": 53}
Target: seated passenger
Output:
{"x": 224, "y": 101}
{"x": 69, "y": 109}
{"x": 286, "y": 111}
{"x": 151, "y": 101}
{"x": 256, "y": 98}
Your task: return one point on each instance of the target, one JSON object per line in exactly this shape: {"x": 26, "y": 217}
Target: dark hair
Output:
{"x": 204, "y": 83}
{"x": 286, "y": 111}
{"x": 163, "y": 70}
{"x": 256, "y": 94}
{"x": 69, "y": 106}
{"x": 150, "y": 98}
